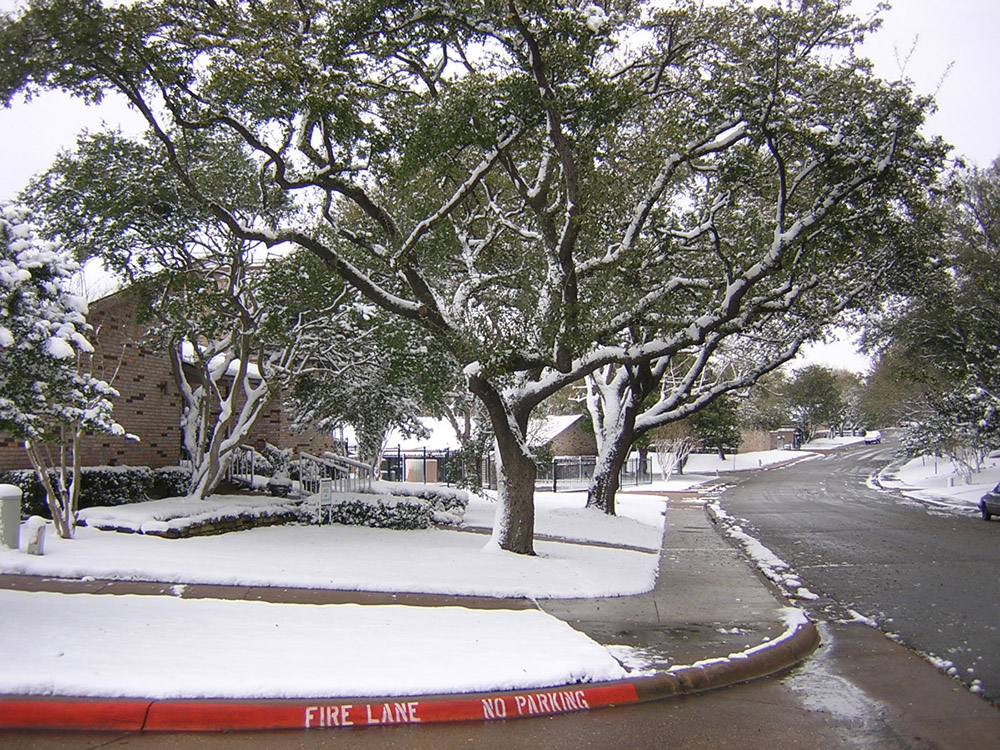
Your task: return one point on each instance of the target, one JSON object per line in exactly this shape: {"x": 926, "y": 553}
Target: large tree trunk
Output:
{"x": 514, "y": 525}
{"x": 614, "y": 399}
{"x": 606, "y": 481}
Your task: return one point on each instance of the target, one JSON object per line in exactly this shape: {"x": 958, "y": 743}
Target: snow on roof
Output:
{"x": 544, "y": 430}
{"x": 441, "y": 437}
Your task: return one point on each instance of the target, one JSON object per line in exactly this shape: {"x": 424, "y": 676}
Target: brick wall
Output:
{"x": 575, "y": 440}
{"x": 149, "y": 405}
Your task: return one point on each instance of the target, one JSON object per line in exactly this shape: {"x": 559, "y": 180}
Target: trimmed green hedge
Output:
{"x": 102, "y": 486}
{"x": 446, "y": 505}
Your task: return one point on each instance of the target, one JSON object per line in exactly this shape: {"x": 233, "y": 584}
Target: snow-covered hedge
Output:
{"x": 393, "y": 505}
{"x": 102, "y": 486}
{"x": 447, "y": 505}
{"x": 170, "y": 481}
{"x": 364, "y": 509}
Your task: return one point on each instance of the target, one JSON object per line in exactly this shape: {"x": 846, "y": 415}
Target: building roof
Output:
{"x": 544, "y": 430}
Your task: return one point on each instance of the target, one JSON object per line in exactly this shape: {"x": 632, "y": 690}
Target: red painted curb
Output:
{"x": 244, "y": 715}
{"x": 73, "y": 713}
{"x": 227, "y": 715}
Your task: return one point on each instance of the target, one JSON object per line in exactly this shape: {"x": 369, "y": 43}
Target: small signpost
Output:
{"x": 325, "y": 497}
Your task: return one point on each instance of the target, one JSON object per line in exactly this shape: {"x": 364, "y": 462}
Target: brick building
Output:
{"x": 149, "y": 404}
{"x": 563, "y": 435}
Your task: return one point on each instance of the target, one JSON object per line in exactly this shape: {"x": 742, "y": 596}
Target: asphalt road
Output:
{"x": 930, "y": 578}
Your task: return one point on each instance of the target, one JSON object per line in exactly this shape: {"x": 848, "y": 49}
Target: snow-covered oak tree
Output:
{"x": 526, "y": 180}
{"x": 628, "y": 402}
{"x": 47, "y": 398}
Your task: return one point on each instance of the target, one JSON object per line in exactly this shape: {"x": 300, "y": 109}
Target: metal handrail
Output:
{"x": 346, "y": 474}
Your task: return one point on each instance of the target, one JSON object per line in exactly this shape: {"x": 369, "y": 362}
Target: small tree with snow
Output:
{"x": 46, "y": 398}
{"x": 673, "y": 443}
{"x": 388, "y": 376}
{"x": 237, "y": 325}
{"x": 471, "y": 424}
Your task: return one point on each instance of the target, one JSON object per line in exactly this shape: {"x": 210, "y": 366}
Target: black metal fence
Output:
{"x": 562, "y": 473}
{"x": 566, "y": 473}
{"x": 423, "y": 466}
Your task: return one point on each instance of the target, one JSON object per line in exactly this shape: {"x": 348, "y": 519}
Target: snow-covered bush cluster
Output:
{"x": 101, "y": 486}
{"x": 47, "y": 396}
{"x": 391, "y": 505}
{"x": 43, "y": 327}
{"x": 170, "y": 481}
{"x": 447, "y": 505}
{"x": 376, "y": 511}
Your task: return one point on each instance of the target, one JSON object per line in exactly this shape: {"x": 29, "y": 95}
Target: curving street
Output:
{"x": 930, "y": 578}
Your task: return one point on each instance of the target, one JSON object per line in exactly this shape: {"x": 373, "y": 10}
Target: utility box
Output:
{"x": 422, "y": 470}
{"x": 10, "y": 516}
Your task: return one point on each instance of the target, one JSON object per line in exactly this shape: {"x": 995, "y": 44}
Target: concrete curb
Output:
{"x": 137, "y": 715}
{"x": 766, "y": 660}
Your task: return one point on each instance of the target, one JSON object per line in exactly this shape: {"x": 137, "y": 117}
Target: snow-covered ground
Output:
{"x": 159, "y": 647}
{"x": 162, "y": 647}
{"x": 937, "y": 483}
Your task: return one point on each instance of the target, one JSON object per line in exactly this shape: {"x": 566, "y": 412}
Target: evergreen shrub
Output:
{"x": 102, "y": 486}
{"x": 376, "y": 511}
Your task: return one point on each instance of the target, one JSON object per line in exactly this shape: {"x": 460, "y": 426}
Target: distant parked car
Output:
{"x": 873, "y": 437}
{"x": 989, "y": 504}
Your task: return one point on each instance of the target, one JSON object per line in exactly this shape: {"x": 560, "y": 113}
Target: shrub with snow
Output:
{"x": 447, "y": 505}
{"x": 376, "y": 511}
{"x": 101, "y": 486}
